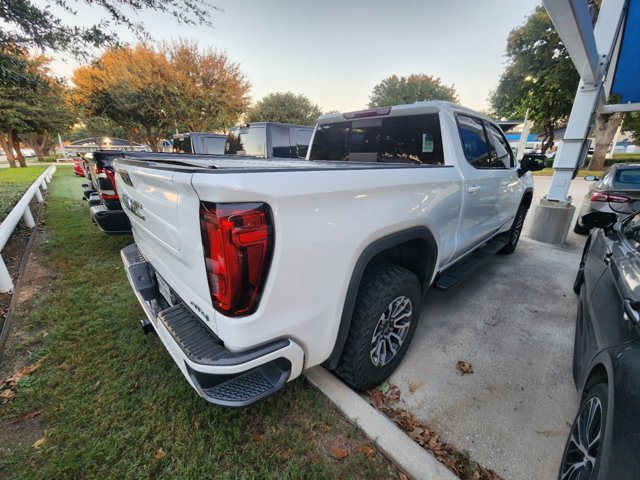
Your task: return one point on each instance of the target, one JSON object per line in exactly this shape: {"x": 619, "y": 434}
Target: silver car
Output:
{"x": 616, "y": 191}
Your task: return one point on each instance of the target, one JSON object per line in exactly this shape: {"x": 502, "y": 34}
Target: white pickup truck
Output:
{"x": 251, "y": 271}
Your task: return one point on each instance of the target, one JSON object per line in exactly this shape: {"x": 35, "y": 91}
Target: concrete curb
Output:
{"x": 413, "y": 460}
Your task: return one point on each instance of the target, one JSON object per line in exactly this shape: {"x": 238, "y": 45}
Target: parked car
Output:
{"x": 616, "y": 191}
{"x": 269, "y": 140}
{"x": 250, "y": 270}
{"x": 78, "y": 170}
{"x": 104, "y": 204}
{"x": 606, "y": 362}
{"x": 199, "y": 143}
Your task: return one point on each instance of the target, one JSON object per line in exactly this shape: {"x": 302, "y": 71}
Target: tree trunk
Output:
{"x": 5, "y": 143}
{"x": 32, "y": 140}
{"x": 605, "y": 131}
{"x": 16, "y": 146}
{"x": 547, "y": 141}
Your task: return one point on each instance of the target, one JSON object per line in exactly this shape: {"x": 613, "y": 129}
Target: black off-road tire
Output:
{"x": 600, "y": 393}
{"x": 514, "y": 232}
{"x": 381, "y": 285}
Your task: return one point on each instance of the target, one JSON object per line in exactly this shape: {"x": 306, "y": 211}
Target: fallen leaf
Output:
{"x": 464, "y": 367}
{"x": 416, "y": 435}
{"x": 13, "y": 380}
{"x": 339, "y": 452}
{"x": 256, "y": 437}
{"x": 402, "y": 476}
{"x": 286, "y": 454}
{"x": 8, "y": 394}
{"x": 413, "y": 387}
{"x": 367, "y": 450}
{"x": 325, "y": 428}
{"x": 160, "y": 454}
{"x": 38, "y": 443}
{"x": 384, "y": 387}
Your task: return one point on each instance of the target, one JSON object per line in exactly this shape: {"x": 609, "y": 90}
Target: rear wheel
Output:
{"x": 582, "y": 453}
{"x": 383, "y": 323}
{"x": 515, "y": 231}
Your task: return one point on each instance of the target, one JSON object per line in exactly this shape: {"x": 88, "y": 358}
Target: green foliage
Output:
{"x": 396, "y": 90}
{"x": 44, "y": 25}
{"x": 623, "y": 158}
{"x": 285, "y": 107}
{"x": 539, "y": 76}
{"x": 13, "y": 183}
{"x": 632, "y": 124}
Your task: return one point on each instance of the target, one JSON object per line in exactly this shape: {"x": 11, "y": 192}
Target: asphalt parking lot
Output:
{"x": 514, "y": 321}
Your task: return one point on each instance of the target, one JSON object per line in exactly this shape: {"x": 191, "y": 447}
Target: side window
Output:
{"x": 474, "y": 141}
{"x": 251, "y": 142}
{"x": 411, "y": 139}
{"x": 279, "y": 141}
{"x": 331, "y": 142}
{"x": 503, "y": 155}
{"x": 182, "y": 145}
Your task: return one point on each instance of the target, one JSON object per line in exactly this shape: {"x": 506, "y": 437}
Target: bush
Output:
{"x": 622, "y": 158}
{"x": 48, "y": 159}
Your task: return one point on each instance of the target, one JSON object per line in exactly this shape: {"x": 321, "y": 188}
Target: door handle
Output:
{"x": 473, "y": 189}
{"x": 630, "y": 313}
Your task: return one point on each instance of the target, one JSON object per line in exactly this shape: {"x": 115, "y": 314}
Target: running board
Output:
{"x": 457, "y": 273}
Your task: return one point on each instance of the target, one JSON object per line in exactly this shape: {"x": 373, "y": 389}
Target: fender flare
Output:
{"x": 378, "y": 246}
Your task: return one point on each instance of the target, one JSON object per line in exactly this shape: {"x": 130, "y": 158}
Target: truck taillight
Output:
{"x": 106, "y": 183}
{"x": 238, "y": 242}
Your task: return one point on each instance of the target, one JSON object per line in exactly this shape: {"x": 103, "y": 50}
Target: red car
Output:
{"x": 77, "y": 167}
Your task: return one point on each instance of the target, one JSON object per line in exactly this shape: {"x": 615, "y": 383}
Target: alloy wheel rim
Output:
{"x": 391, "y": 331}
{"x": 584, "y": 442}
{"x": 517, "y": 229}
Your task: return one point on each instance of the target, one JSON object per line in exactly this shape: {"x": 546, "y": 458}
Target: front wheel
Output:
{"x": 582, "y": 453}
{"x": 383, "y": 323}
{"x": 516, "y": 229}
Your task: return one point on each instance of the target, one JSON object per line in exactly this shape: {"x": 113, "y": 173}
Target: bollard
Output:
{"x": 27, "y": 217}
{"x": 39, "y": 196}
{"x": 6, "y": 284}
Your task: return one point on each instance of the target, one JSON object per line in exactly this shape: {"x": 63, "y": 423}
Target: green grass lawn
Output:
{"x": 13, "y": 183}
{"x": 547, "y": 172}
{"x": 114, "y": 404}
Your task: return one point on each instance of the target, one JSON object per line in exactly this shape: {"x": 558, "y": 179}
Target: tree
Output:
{"x": 212, "y": 91}
{"x": 396, "y": 90}
{"x": 606, "y": 128}
{"x": 286, "y": 108}
{"x": 36, "y": 24}
{"x": 539, "y": 76}
{"x": 31, "y": 111}
{"x": 153, "y": 91}
{"x": 632, "y": 124}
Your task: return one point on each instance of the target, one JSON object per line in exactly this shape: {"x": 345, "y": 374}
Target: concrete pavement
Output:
{"x": 514, "y": 321}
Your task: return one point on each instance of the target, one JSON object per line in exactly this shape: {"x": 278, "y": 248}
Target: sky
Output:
{"x": 335, "y": 52}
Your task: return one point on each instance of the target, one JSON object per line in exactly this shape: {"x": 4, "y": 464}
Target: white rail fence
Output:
{"x": 21, "y": 211}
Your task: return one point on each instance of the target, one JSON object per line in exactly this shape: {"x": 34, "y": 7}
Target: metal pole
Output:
{"x": 524, "y": 136}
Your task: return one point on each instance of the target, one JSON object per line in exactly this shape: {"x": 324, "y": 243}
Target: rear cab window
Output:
{"x": 412, "y": 139}
{"x": 627, "y": 178}
{"x": 246, "y": 141}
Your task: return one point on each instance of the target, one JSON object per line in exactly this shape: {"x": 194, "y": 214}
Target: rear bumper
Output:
{"x": 114, "y": 222}
{"x": 220, "y": 376}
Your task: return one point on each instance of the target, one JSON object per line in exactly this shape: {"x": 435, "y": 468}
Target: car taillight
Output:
{"x": 238, "y": 241}
{"x": 607, "y": 197}
{"x": 106, "y": 183}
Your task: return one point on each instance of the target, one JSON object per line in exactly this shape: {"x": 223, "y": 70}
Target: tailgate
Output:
{"x": 164, "y": 211}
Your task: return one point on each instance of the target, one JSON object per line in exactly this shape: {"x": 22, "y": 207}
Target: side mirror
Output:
{"x": 604, "y": 220}
{"x": 591, "y": 178}
{"x": 531, "y": 163}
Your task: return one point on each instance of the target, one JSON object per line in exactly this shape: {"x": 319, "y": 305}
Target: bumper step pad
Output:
{"x": 114, "y": 222}
{"x": 202, "y": 347}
